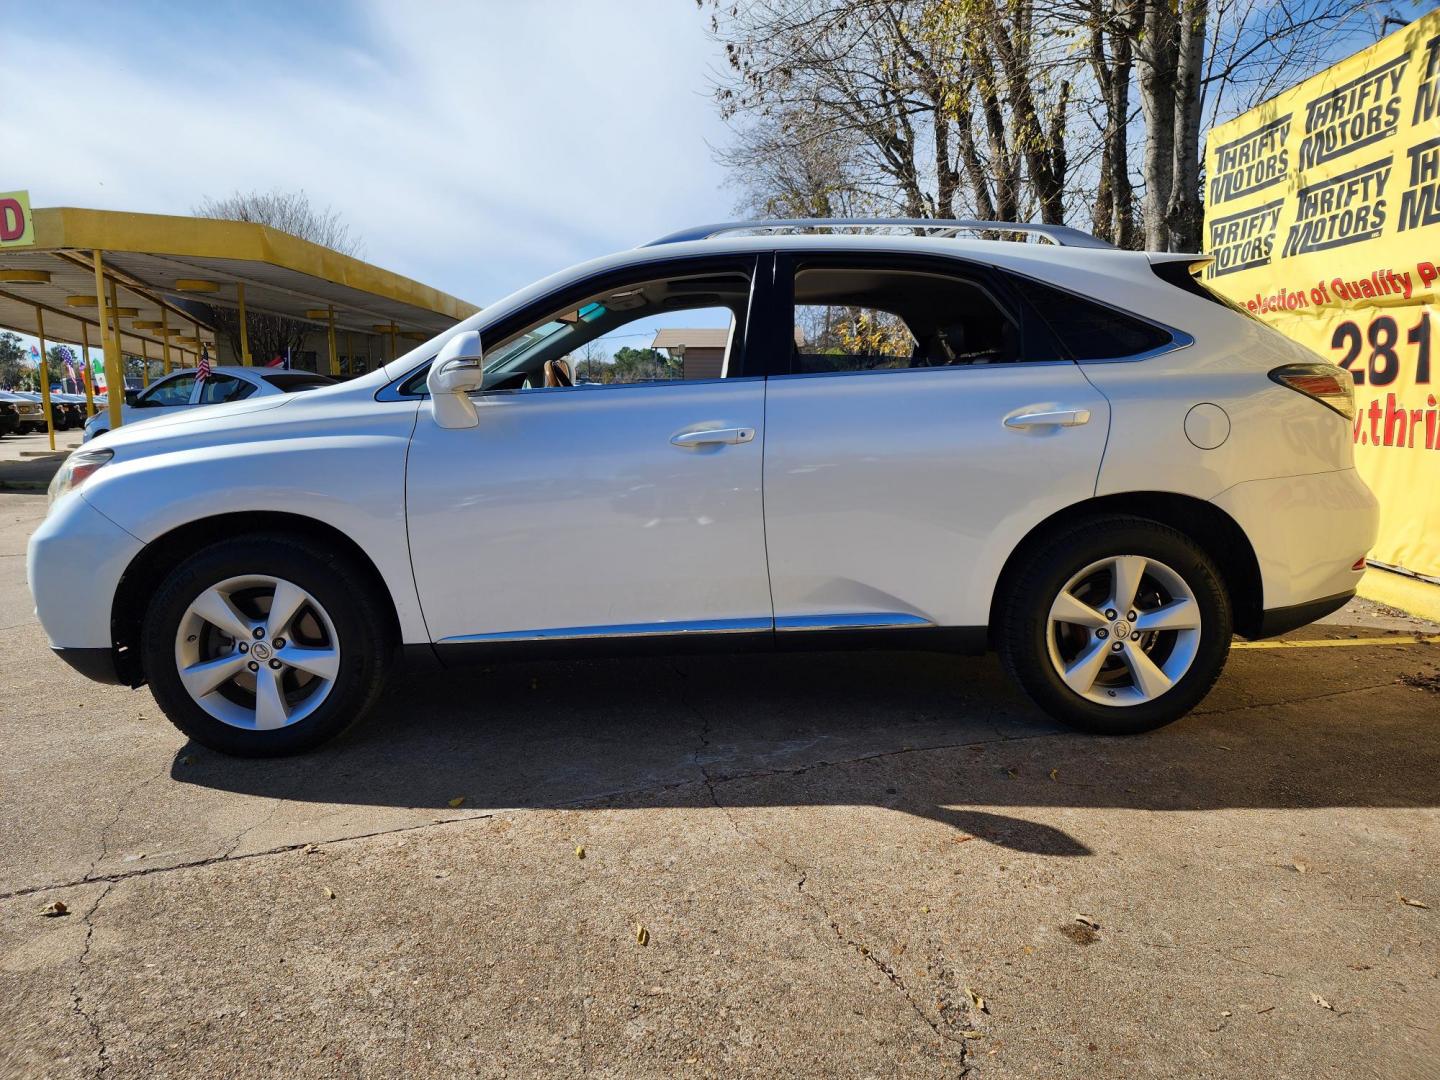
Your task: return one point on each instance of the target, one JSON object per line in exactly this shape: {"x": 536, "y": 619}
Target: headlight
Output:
{"x": 77, "y": 469}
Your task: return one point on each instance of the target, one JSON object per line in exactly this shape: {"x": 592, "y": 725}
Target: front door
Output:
{"x": 922, "y": 429}
{"x": 612, "y": 485}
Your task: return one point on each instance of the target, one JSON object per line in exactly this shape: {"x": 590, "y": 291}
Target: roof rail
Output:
{"x": 1062, "y": 235}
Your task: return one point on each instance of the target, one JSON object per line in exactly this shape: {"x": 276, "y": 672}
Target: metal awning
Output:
{"x": 159, "y": 262}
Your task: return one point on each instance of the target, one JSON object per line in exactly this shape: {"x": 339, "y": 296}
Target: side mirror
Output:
{"x": 132, "y": 397}
{"x": 458, "y": 370}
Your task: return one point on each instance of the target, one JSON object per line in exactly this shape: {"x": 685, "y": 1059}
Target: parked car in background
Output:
{"x": 29, "y": 415}
{"x": 1078, "y": 456}
{"x": 9, "y": 417}
{"x": 182, "y": 390}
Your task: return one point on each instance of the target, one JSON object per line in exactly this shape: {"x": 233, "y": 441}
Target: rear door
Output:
{"x": 924, "y": 424}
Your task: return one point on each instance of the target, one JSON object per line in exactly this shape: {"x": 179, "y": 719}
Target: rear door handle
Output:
{"x": 728, "y": 436}
{"x": 1052, "y": 418}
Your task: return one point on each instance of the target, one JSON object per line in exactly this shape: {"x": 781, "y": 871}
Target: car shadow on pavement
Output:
{"x": 943, "y": 738}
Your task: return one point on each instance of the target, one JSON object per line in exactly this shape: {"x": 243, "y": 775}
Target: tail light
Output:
{"x": 1330, "y": 385}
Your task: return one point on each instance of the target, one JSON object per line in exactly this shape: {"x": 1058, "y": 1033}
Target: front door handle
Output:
{"x": 1050, "y": 418}
{"x": 728, "y": 436}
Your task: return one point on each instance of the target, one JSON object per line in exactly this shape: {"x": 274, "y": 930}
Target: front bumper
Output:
{"x": 98, "y": 665}
{"x": 74, "y": 564}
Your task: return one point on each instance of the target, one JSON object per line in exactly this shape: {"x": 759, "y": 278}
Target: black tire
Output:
{"x": 348, "y": 597}
{"x": 1023, "y": 620}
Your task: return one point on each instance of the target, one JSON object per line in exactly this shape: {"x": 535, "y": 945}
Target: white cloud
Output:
{"x": 475, "y": 147}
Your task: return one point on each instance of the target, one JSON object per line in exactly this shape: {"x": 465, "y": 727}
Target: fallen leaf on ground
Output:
{"x": 579, "y": 852}
{"x": 963, "y": 839}
{"x": 1087, "y": 920}
{"x": 1012, "y": 772}
{"x": 329, "y": 893}
{"x": 1411, "y": 903}
{"x": 1301, "y": 866}
{"x": 976, "y": 1001}
{"x": 54, "y": 909}
{"x": 1054, "y": 774}
{"x": 1318, "y": 1000}
{"x": 972, "y": 1034}
{"x": 456, "y": 801}
{"x": 642, "y": 936}
{"x": 309, "y": 849}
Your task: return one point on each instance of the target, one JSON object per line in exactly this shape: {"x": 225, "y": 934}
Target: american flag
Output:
{"x": 202, "y": 370}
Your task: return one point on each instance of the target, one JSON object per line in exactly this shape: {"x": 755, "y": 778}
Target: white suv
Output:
{"x": 1077, "y": 455}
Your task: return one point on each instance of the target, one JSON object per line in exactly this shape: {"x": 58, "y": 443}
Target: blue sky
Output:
{"x": 473, "y": 146}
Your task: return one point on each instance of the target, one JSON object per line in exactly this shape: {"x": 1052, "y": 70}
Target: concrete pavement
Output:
{"x": 824, "y": 856}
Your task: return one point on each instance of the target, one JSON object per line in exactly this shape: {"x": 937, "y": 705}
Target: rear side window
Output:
{"x": 867, "y": 319}
{"x": 1091, "y": 331}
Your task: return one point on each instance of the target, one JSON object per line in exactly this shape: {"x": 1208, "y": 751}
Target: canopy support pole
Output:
{"x": 110, "y": 343}
{"x": 43, "y": 370}
{"x": 165, "y": 338}
{"x": 244, "y": 327}
{"x": 330, "y": 333}
{"x": 86, "y": 371}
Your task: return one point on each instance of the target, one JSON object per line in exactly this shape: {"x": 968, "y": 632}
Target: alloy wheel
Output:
{"x": 1123, "y": 630}
{"x": 257, "y": 652}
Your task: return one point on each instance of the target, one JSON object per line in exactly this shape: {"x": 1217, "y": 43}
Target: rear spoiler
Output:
{"x": 1194, "y": 263}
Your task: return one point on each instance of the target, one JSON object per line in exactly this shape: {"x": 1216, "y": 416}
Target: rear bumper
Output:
{"x": 1277, "y": 621}
{"x": 1307, "y": 533}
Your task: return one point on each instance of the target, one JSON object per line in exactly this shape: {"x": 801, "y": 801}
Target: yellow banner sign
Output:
{"x": 1322, "y": 214}
{"x": 16, "y": 228}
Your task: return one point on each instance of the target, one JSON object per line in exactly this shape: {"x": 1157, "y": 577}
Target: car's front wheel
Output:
{"x": 1117, "y": 626}
{"x": 265, "y": 645}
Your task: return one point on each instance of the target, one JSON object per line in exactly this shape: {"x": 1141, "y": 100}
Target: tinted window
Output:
{"x": 293, "y": 381}
{"x": 1090, "y": 331}
{"x": 221, "y": 388}
{"x": 175, "y": 391}
{"x": 862, "y": 319}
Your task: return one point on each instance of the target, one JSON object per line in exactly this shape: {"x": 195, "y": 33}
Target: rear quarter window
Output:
{"x": 1091, "y": 331}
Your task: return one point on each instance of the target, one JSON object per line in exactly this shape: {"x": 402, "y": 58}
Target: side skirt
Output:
{"x": 967, "y": 640}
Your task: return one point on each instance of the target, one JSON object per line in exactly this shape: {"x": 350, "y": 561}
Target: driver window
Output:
{"x": 849, "y": 320}
{"x": 672, "y": 330}
{"x": 683, "y": 345}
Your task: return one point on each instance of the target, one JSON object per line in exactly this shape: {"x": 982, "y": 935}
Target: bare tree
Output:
{"x": 290, "y": 212}
{"x": 1006, "y": 109}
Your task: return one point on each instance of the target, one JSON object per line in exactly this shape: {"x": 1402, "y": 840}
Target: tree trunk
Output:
{"x": 1183, "y": 210}
{"x": 1158, "y": 57}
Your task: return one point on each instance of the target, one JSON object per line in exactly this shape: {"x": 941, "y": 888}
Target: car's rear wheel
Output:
{"x": 265, "y": 645}
{"x": 1119, "y": 625}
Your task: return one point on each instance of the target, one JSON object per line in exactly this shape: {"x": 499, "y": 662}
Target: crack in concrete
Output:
{"x": 264, "y": 820}
{"x": 120, "y": 805}
{"x": 1226, "y": 710}
{"x": 892, "y": 977}
{"x": 97, "y": 1033}
{"x": 707, "y": 778}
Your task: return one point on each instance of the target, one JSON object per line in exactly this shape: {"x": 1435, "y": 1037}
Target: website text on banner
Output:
{"x": 1323, "y": 217}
